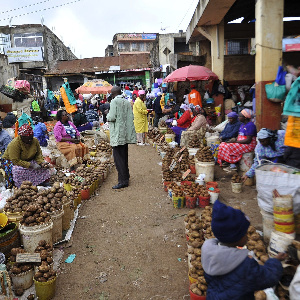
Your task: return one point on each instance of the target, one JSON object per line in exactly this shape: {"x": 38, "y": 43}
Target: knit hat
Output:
{"x": 229, "y": 225}
{"x": 232, "y": 115}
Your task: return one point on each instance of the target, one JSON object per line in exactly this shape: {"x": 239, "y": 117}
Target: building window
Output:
{"x": 121, "y": 46}
{"x": 142, "y": 46}
{"x": 134, "y": 46}
{"x": 28, "y": 39}
{"x": 236, "y": 47}
{"x": 111, "y": 54}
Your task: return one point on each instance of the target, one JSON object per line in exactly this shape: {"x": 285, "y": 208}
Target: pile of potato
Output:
{"x": 46, "y": 251}
{"x": 184, "y": 163}
{"x": 58, "y": 177}
{"x": 51, "y": 199}
{"x": 170, "y": 131}
{"x": 204, "y": 154}
{"x": 162, "y": 124}
{"x": 35, "y": 215}
{"x": 194, "y": 142}
{"x": 177, "y": 191}
{"x": 22, "y": 197}
{"x": 18, "y": 268}
{"x": 104, "y": 148}
{"x": 206, "y": 217}
{"x": 236, "y": 178}
{"x": 194, "y": 231}
{"x": 256, "y": 244}
{"x": 152, "y": 133}
{"x": 192, "y": 160}
{"x": 45, "y": 272}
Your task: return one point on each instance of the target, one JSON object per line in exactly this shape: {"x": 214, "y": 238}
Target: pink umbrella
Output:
{"x": 191, "y": 73}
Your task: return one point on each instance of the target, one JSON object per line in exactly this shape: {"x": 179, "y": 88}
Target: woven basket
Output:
{"x": 10, "y": 240}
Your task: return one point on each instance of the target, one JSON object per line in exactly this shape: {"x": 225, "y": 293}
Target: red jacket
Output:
{"x": 185, "y": 120}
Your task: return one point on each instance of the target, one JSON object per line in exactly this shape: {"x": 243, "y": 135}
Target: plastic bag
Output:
{"x": 284, "y": 183}
{"x": 275, "y": 92}
{"x": 280, "y": 78}
{"x": 292, "y": 102}
{"x": 23, "y": 86}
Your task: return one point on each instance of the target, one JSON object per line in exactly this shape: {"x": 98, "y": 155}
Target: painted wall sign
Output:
{"x": 22, "y": 54}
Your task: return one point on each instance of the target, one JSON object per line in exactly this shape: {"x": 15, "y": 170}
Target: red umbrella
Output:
{"x": 191, "y": 73}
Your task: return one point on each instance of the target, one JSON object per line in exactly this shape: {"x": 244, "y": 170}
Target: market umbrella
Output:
{"x": 96, "y": 86}
{"x": 191, "y": 73}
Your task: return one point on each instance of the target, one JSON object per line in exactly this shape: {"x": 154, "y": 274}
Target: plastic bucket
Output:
{"x": 45, "y": 290}
{"x": 212, "y": 184}
{"x": 178, "y": 202}
{"x": 56, "y": 218}
{"x": 170, "y": 193}
{"x": 268, "y": 224}
{"x": 68, "y": 215}
{"x": 14, "y": 217}
{"x": 192, "y": 280}
{"x": 85, "y": 194}
{"x": 200, "y": 182}
{"x": 77, "y": 201}
{"x": 166, "y": 185}
{"x": 186, "y": 182}
{"x": 297, "y": 223}
{"x": 193, "y": 169}
{"x": 279, "y": 242}
{"x": 214, "y": 195}
{"x": 163, "y": 154}
{"x": 196, "y": 297}
{"x": 207, "y": 168}
{"x": 193, "y": 151}
{"x": 23, "y": 280}
{"x": 31, "y": 235}
{"x": 283, "y": 214}
{"x": 190, "y": 202}
{"x": 162, "y": 130}
{"x": 236, "y": 187}
{"x": 246, "y": 161}
{"x": 212, "y": 139}
{"x": 68, "y": 187}
{"x": 204, "y": 201}
{"x": 169, "y": 137}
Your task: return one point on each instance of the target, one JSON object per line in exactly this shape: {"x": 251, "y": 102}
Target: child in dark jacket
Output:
{"x": 229, "y": 272}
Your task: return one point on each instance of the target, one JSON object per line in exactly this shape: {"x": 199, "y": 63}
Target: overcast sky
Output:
{"x": 88, "y": 26}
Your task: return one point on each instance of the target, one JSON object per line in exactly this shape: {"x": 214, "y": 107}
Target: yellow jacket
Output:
{"x": 140, "y": 116}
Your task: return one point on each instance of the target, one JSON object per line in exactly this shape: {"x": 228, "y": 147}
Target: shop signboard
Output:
{"x": 24, "y": 54}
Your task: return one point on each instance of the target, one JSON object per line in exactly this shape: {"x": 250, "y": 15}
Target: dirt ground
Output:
{"x": 130, "y": 244}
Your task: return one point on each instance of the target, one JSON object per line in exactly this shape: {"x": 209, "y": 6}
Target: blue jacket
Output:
{"x": 232, "y": 275}
{"x": 230, "y": 131}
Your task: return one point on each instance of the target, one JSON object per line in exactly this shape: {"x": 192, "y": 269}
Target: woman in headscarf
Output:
{"x": 183, "y": 122}
{"x": 233, "y": 150}
{"x": 140, "y": 118}
{"x": 199, "y": 120}
{"x": 68, "y": 140}
{"x": 231, "y": 129}
{"x": 270, "y": 146}
{"x": 25, "y": 154}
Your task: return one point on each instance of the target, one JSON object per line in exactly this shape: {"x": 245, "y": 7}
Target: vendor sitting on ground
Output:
{"x": 183, "y": 122}
{"x": 233, "y": 150}
{"x": 241, "y": 275}
{"x": 81, "y": 122}
{"x": 231, "y": 129}
{"x": 40, "y": 132}
{"x": 5, "y": 138}
{"x": 199, "y": 120}
{"x": 68, "y": 140}
{"x": 25, "y": 157}
{"x": 270, "y": 146}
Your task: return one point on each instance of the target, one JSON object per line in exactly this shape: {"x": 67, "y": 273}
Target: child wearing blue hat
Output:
{"x": 229, "y": 272}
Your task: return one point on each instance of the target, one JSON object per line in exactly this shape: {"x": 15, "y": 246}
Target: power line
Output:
{"x": 4, "y": 12}
{"x": 186, "y": 14}
{"x": 36, "y": 11}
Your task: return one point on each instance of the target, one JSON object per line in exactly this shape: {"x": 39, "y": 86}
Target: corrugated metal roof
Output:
{"x": 101, "y": 64}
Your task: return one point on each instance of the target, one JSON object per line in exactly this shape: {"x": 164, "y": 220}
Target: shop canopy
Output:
{"x": 191, "y": 73}
{"x": 95, "y": 87}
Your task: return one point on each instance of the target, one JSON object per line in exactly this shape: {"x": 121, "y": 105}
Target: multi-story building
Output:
{"x": 137, "y": 43}
{"x": 31, "y": 49}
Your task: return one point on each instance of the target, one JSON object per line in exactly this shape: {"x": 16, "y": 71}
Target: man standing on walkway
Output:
{"x": 122, "y": 133}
